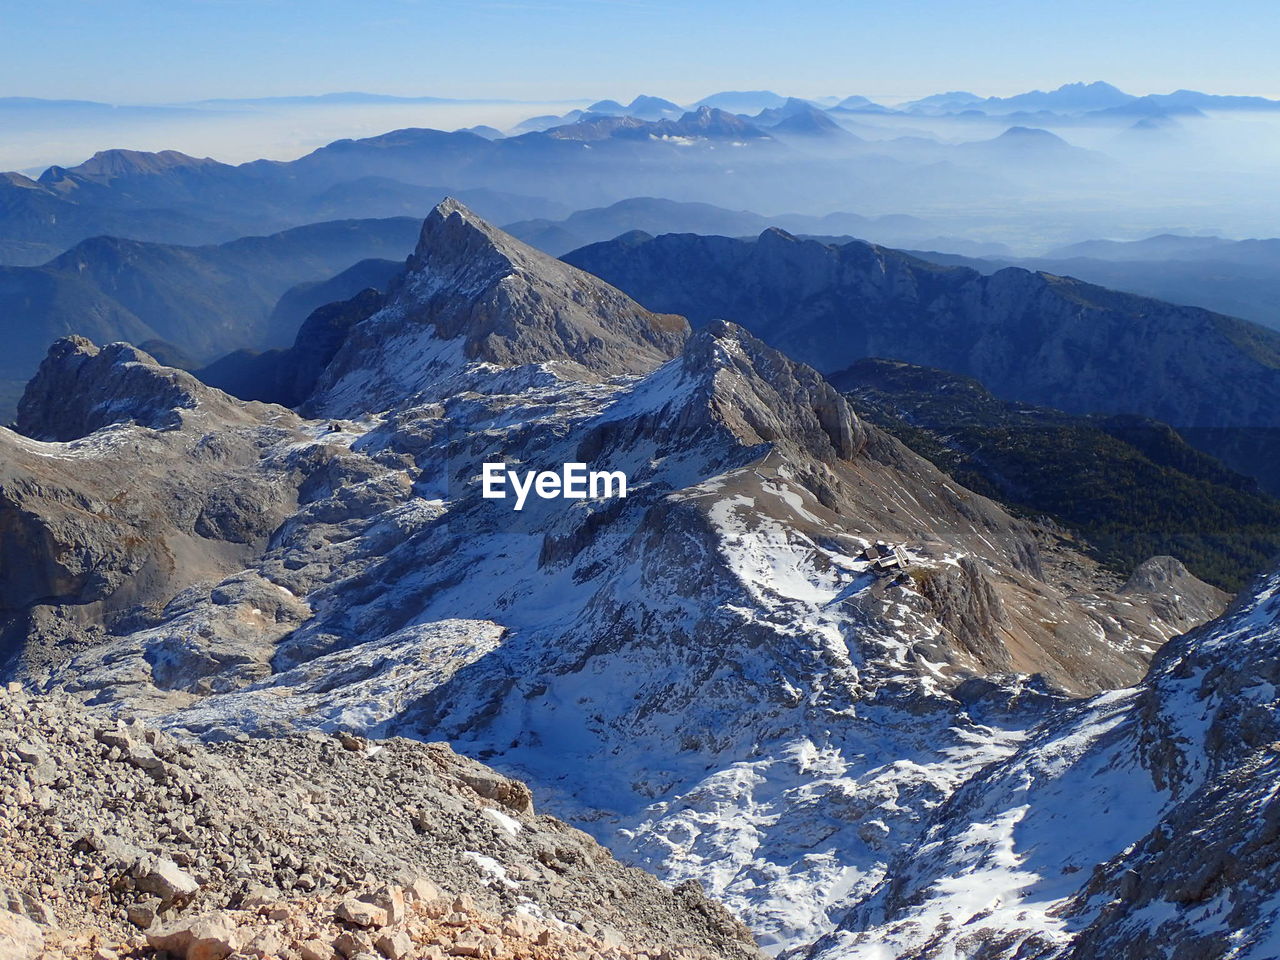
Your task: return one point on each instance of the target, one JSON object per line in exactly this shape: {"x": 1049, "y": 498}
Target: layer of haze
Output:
{"x": 36, "y": 138}
{"x": 1211, "y": 174}
{"x": 1193, "y": 174}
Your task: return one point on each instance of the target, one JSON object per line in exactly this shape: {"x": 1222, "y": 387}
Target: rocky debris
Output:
{"x": 1206, "y": 728}
{"x": 969, "y": 608}
{"x": 274, "y": 849}
{"x": 430, "y": 928}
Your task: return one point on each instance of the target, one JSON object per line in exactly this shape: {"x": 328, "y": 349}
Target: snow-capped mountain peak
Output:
{"x": 473, "y": 294}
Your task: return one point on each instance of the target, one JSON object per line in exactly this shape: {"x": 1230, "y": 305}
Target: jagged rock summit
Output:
{"x": 81, "y": 388}
{"x": 472, "y": 293}
{"x": 786, "y": 402}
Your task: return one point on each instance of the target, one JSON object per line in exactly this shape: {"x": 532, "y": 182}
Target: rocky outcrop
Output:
{"x": 784, "y": 401}
{"x": 20, "y": 939}
{"x": 306, "y": 846}
{"x": 81, "y": 388}
{"x": 1180, "y": 599}
{"x": 473, "y": 293}
{"x": 153, "y": 482}
{"x": 970, "y": 610}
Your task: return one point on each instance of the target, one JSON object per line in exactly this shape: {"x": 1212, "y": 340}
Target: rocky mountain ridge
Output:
{"x": 1232, "y": 277}
{"x": 1032, "y": 337}
{"x": 711, "y": 675}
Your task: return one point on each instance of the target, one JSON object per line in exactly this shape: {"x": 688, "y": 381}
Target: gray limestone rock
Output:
{"x": 473, "y": 293}
{"x": 254, "y": 818}
{"x": 20, "y": 939}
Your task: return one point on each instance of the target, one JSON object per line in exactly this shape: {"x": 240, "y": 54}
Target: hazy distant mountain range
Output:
{"x": 201, "y": 302}
{"x": 171, "y": 197}
{"x": 707, "y": 154}
{"x": 1076, "y": 97}
{"x": 642, "y": 107}
{"x": 658, "y": 216}
{"x": 1236, "y": 277}
{"x": 1099, "y": 100}
{"x": 753, "y": 149}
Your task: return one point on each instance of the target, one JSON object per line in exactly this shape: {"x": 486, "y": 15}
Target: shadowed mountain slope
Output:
{"x": 1032, "y": 337}
{"x": 202, "y": 301}
{"x": 1130, "y": 487}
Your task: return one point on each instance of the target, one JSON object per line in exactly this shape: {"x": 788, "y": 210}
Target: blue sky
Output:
{"x": 172, "y": 50}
